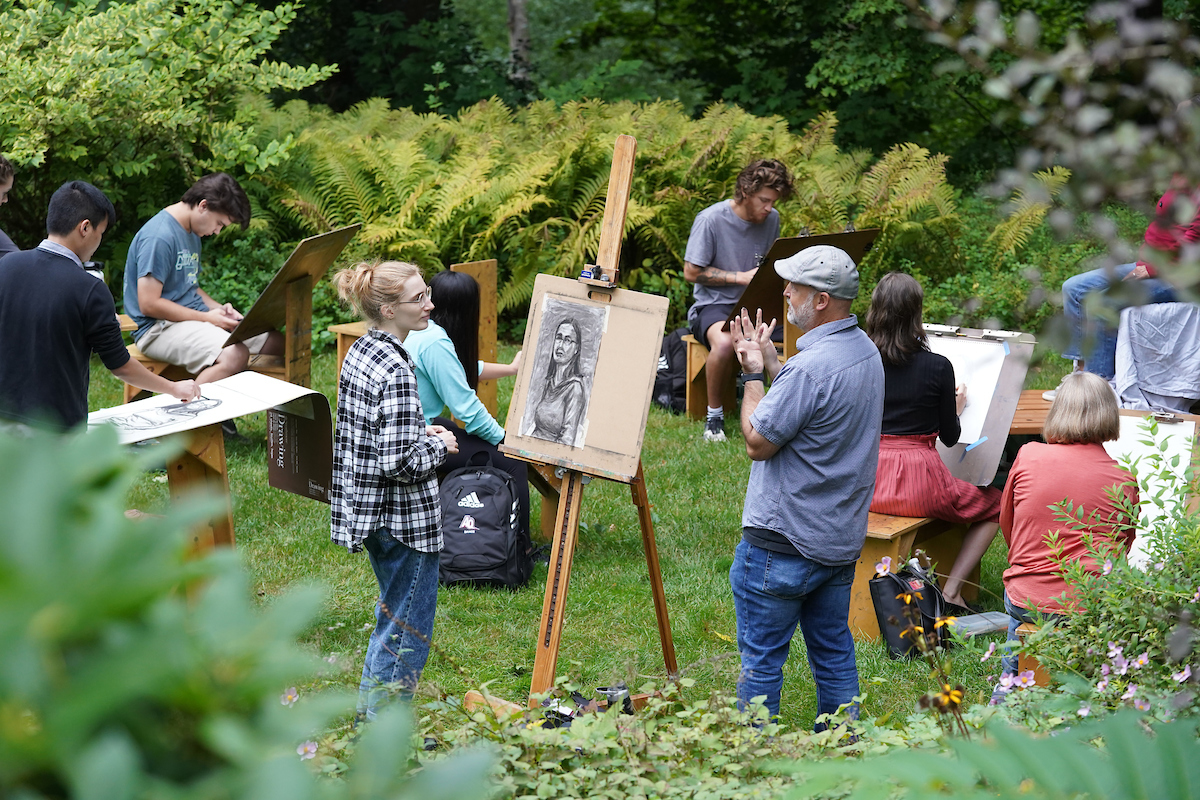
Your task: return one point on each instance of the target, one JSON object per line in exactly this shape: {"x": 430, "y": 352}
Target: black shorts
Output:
{"x": 705, "y": 317}
{"x": 719, "y": 312}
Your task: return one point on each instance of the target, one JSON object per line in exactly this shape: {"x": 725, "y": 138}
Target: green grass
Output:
{"x": 610, "y": 633}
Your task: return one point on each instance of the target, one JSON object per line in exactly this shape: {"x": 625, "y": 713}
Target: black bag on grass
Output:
{"x": 885, "y": 591}
{"x": 482, "y": 543}
{"x": 670, "y": 382}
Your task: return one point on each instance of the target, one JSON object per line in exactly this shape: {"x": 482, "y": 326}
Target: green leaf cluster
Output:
{"x": 128, "y": 669}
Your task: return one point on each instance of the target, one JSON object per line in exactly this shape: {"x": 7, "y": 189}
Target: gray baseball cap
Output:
{"x": 824, "y": 268}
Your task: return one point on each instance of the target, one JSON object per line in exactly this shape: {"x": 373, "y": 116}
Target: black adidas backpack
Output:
{"x": 481, "y": 541}
{"x": 670, "y": 382}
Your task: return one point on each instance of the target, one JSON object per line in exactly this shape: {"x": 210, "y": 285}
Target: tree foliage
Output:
{"x": 135, "y": 97}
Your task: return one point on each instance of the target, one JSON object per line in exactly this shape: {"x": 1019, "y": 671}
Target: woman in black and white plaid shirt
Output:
{"x": 384, "y": 493}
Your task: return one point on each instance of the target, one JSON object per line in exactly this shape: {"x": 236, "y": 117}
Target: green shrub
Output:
{"x": 129, "y": 670}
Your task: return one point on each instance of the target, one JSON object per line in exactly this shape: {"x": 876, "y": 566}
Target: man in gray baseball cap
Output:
{"x": 814, "y": 443}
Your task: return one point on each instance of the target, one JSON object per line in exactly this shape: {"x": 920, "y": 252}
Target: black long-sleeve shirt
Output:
{"x": 918, "y": 398}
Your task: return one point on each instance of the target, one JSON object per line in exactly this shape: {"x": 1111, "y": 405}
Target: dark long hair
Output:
{"x": 455, "y": 297}
{"x": 574, "y": 371}
{"x": 894, "y": 319}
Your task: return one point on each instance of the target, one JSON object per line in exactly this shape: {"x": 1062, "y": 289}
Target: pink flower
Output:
{"x": 1084, "y": 710}
{"x": 1007, "y": 681}
{"x": 289, "y": 697}
{"x": 1196, "y": 597}
{"x": 1183, "y": 674}
{"x": 1141, "y": 661}
{"x": 1025, "y": 679}
{"x": 1141, "y": 705}
{"x": 1107, "y": 567}
{"x": 884, "y": 566}
{"x": 1114, "y": 649}
{"x": 1130, "y": 692}
{"x": 1102, "y": 685}
{"x": 991, "y": 651}
{"x": 1105, "y": 669}
{"x": 1121, "y": 665}
{"x": 307, "y": 750}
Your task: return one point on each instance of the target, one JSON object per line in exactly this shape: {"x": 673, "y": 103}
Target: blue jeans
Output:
{"x": 1017, "y": 616}
{"x": 1098, "y": 333}
{"x": 772, "y": 593}
{"x": 399, "y": 645}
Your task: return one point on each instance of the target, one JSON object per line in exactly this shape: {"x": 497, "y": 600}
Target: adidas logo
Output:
{"x": 470, "y": 501}
{"x": 468, "y": 524}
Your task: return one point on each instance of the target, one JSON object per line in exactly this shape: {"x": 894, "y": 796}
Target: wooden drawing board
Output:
{"x": 1178, "y": 433}
{"x": 765, "y": 289}
{"x": 610, "y": 443}
{"x": 310, "y": 260}
{"x": 992, "y": 364}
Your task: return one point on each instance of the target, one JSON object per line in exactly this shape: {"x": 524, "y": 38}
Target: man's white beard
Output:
{"x": 803, "y": 317}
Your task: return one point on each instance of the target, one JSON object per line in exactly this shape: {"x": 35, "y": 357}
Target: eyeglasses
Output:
{"x": 421, "y": 298}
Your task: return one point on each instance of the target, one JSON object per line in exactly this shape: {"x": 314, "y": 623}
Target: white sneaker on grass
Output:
{"x": 714, "y": 429}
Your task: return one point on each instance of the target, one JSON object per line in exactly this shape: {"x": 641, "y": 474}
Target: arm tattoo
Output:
{"x": 711, "y": 276}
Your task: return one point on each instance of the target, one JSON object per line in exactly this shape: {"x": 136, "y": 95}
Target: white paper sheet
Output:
{"x": 160, "y": 415}
{"x": 977, "y": 364}
{"x": 1178, "y": 437}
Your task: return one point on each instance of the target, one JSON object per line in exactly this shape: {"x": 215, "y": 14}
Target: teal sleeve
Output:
{"x": 445, "y": 372}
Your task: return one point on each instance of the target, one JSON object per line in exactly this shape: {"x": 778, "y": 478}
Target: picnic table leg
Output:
{"x": 201, "y": 467}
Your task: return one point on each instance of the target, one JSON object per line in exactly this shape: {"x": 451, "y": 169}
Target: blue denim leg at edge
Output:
{"x": 399, "y": 645}
{"x": 1101, "y": 356}
{"x": 772, "y": 594}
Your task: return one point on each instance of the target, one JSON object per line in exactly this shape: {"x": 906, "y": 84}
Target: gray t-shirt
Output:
{"x": 166, "y": 252}
{"x": 6, "y": 245}
{"x": 824, "y": 411}
{"x": 722, "y": 239}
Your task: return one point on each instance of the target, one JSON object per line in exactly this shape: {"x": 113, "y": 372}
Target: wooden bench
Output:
{"x": 1031, "y": 414}
{"x": 897, "y": 537}
{"x": 1026, "y": 662}
{"x": 697, "y": 386}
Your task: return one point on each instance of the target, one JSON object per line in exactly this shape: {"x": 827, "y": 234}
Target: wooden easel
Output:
{"x": 566, "y": 527}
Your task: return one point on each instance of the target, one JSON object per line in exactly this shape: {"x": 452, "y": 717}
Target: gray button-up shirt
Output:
{"x": 824, "y": 411}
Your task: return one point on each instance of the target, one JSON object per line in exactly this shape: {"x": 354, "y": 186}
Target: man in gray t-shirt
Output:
{"x": 178, "y": 322}
{"x": 727, "y": 243}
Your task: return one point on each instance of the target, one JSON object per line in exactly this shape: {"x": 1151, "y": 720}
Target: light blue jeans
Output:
{"x": 772, "y": 594}
{"x": 399, "y": 645}
{"x": 1099, "y": 334}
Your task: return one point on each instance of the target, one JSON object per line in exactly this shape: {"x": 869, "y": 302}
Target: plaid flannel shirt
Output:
{"x": 384, "y": 463}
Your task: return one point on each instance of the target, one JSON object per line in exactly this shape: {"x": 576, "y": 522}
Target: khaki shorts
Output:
{"x": 192, "y": 344}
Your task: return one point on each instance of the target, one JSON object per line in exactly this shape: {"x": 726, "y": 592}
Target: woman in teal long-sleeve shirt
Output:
{"x": 442, "y": 353}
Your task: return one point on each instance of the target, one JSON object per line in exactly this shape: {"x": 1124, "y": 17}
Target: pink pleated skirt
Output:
{"x": 912, "y": 481}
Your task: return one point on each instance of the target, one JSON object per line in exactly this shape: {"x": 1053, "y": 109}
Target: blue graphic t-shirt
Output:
{"x": 166, "y": 252}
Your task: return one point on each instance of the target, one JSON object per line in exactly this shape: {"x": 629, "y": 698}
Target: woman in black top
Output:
{"x": 921, "y": 404}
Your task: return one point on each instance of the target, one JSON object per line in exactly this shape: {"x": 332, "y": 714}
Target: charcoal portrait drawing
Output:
{"x": 560, "y": 389}
{"x": 164, "y": 415}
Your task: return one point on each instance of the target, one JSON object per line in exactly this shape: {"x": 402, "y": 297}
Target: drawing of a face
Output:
{"x": 566, "y": 343}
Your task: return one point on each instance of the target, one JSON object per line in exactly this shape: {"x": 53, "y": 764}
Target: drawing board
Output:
{"x": 311, "y": 259}
{"x": 992, "y": 365}
{"x": 582, "y": 393}
{"x": 765, "y": 289}
{"x": 1175, "y": 442}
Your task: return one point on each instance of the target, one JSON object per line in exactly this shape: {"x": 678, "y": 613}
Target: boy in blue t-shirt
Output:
{"x": 178, "y": 322}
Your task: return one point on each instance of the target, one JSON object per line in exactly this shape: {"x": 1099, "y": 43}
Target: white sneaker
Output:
{"x": 714, "y": 429}
{"x": 1049, "y": 396}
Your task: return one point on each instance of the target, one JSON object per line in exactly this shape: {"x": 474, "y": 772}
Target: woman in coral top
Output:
{"x": 1072, "y": 465}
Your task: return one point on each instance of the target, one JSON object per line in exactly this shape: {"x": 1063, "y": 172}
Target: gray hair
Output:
{"x": 1084, "y": 411}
